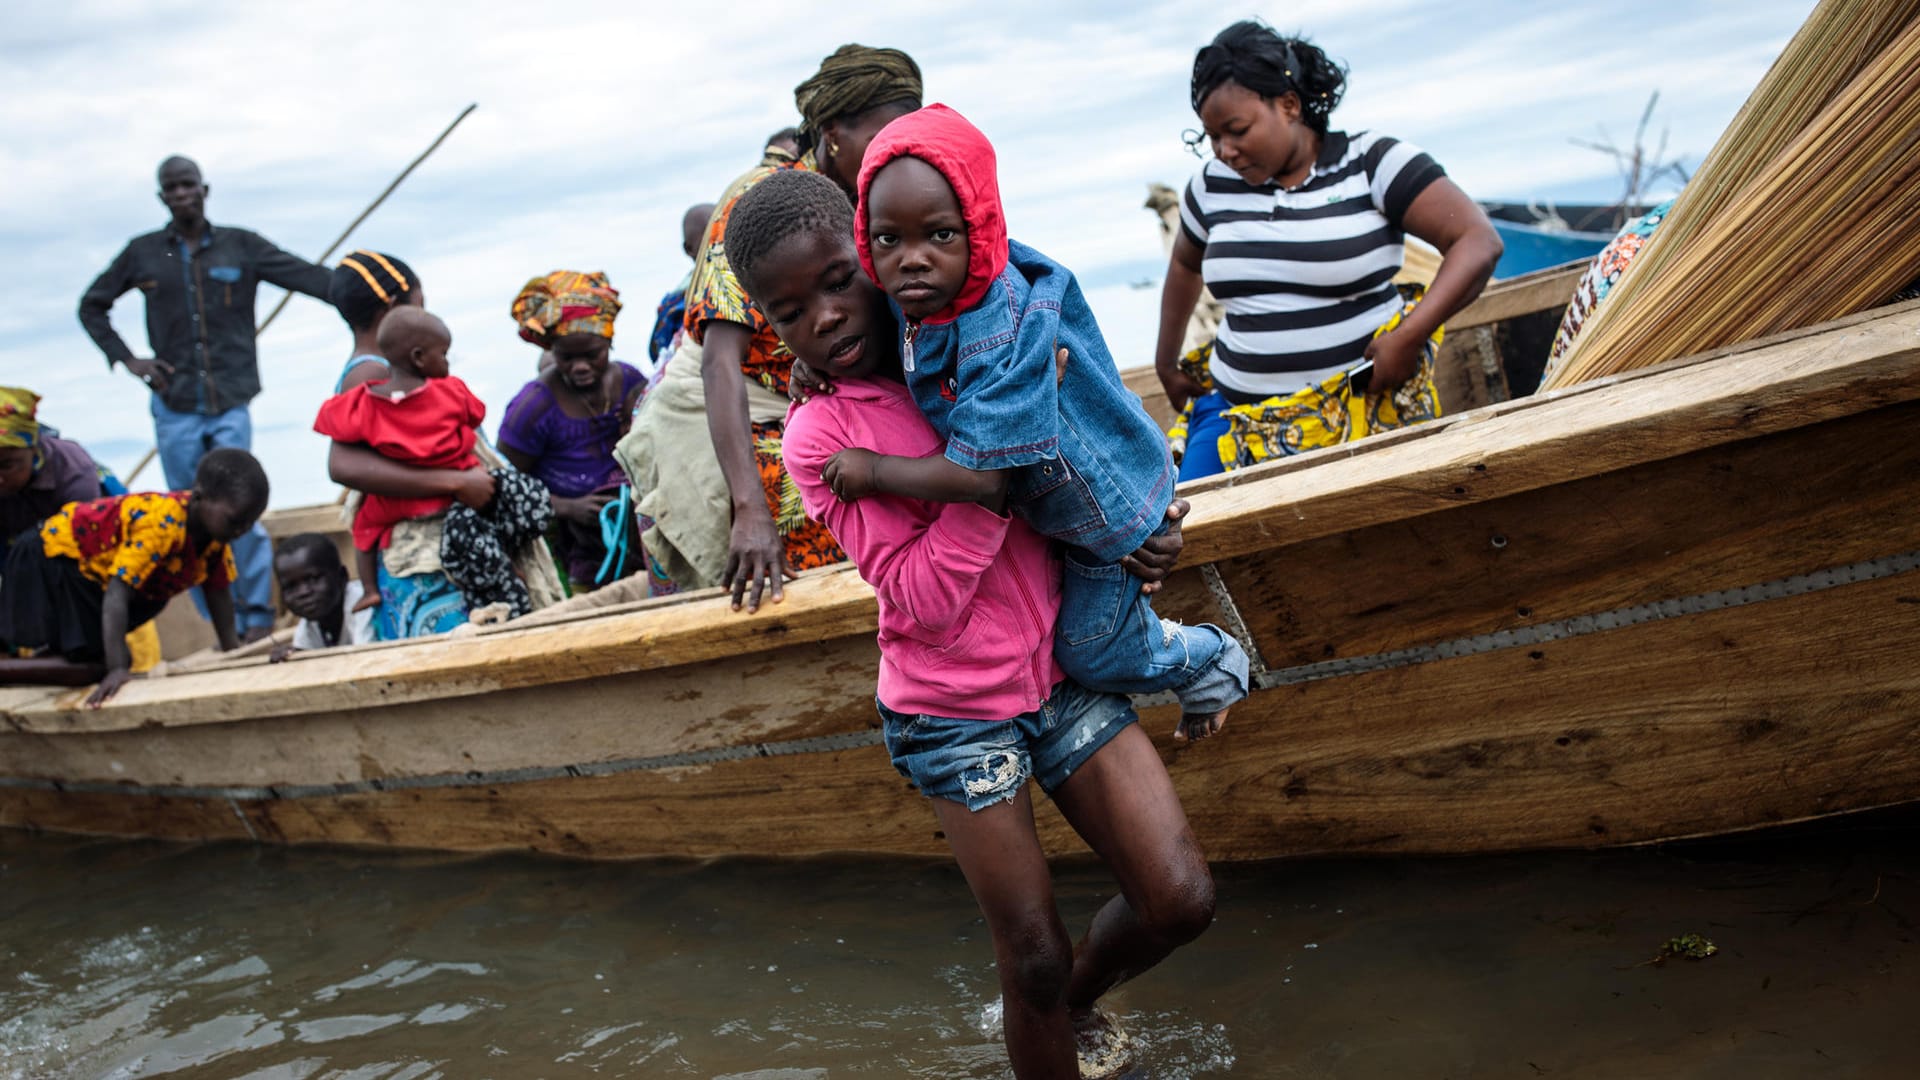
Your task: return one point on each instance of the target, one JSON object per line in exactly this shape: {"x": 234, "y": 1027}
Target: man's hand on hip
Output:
{"x": 151, "y": 371}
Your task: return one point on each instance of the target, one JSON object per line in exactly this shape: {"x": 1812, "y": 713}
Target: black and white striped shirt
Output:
{"x": 1306, "y": 273}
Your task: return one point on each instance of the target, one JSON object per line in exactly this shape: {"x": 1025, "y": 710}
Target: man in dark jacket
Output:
{"x": 199, "y": 284}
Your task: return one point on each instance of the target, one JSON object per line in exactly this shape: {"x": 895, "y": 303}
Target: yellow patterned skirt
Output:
{"x": 1328, "y": 413}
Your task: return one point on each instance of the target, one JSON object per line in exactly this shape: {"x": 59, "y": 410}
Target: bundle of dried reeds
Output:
{"x": 1806, "y": 209}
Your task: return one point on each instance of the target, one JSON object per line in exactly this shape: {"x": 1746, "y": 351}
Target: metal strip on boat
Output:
{"x": 1230, "y": 614}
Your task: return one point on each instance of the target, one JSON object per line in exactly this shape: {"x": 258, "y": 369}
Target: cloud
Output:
{"x": 598, "y": 126}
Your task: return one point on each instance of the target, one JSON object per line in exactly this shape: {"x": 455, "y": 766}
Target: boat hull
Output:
{"x": 1682, "y": 604}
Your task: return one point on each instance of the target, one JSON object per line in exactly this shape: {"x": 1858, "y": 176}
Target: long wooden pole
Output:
{"x": 331, "y": 248}
{"x": 368, "y": 212}
{"x": 145, "y": 460}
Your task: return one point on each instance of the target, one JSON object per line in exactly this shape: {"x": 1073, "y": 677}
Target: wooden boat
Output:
{"x": 1675, "y": 603}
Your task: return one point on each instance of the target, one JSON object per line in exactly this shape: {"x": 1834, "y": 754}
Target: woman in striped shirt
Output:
{"x": 1298, "y": 231}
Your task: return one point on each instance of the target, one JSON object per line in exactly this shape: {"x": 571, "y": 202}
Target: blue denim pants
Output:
{"x": 183, "y": 438}
{"x": 1204, "y": 429}
{"x": 1109, "y": 639}
{"x": 979, "y": 763}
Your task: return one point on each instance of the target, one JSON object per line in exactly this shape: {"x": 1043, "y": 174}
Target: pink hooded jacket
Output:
{"x": 968, "y": 598}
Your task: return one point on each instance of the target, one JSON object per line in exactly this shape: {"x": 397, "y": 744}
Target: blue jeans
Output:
{"x": 1109, "y": 638}
{"x": 983, "y": 762}
{"x": 1204, "y": 429}
{"x": 183, "y": 438}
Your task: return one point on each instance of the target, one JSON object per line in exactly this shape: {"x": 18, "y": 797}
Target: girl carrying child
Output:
{"x": 420, "y": 415}
{"x": 1075, "y": 456}
{"x": 973, "y": 701}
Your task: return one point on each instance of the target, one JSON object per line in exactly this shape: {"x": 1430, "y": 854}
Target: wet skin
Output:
{"x": 918, "y": 236}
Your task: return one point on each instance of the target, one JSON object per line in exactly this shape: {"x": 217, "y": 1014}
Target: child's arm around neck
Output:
{"x": 855, "y": 473}
{"x": 934, "y": 478}
{"x": 926, "y": 567}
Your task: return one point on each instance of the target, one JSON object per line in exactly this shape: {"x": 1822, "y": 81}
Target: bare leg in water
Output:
{"x": 999, "y": 852}
{"x": 1123, "y": 804}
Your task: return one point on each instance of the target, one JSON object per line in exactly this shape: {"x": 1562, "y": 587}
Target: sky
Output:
{"x": 597, "y": 126}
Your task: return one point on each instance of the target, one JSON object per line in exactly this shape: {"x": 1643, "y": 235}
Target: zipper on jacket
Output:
{"x": 906, "y": 346}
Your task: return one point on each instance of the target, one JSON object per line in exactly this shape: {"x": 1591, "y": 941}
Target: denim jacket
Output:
{"x": 1091, "y": 468}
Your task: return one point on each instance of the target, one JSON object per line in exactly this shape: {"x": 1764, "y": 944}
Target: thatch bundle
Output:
{"x": 1807, "y": 209}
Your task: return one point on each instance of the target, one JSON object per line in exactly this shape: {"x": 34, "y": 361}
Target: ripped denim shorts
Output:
{"x": 983, "y": 762}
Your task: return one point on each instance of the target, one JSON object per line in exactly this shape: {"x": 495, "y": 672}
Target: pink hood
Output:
{"x": 945, "y": 140}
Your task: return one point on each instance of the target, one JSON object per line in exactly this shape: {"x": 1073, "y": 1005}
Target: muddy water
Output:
{"x": 133, "y": 960}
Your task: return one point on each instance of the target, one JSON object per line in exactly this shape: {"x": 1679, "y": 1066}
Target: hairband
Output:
{"x": 373, "y": 283}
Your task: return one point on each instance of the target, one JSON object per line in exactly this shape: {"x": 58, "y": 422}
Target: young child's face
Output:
{"x": 310, "y": 587}
{"x": 813, "y": 292}
{"x": 221, "y": 519}
{"x": 918, "y": 236}
{"x": 429, "y": 358}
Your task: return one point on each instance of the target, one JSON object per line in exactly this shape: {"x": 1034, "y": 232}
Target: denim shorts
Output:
{"x": 983, "y": 762}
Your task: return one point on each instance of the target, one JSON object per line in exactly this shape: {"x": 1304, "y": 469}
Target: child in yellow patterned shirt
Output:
{"x": 107, "y": 566}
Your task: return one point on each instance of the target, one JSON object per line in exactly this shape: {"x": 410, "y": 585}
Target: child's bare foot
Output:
{"x": 371, "y": 600}
{"x": 1196, "y": 726}
{"x": 1105, "y": 1049}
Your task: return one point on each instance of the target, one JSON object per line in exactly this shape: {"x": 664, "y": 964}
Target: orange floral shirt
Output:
{"x": 140, "y": 539}
{"x": 715, "y": 294}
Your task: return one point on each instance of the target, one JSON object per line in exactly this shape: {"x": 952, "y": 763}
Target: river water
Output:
{"x": 133, "y": 959}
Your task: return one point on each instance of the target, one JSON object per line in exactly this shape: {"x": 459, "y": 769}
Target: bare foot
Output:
{"x": 1200, "y": 725}
{"x": 1104, "y": 1047}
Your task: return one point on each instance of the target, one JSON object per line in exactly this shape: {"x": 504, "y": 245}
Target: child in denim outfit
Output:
{"x": 1079, "y": 459}
{"x": 973, "y": 700}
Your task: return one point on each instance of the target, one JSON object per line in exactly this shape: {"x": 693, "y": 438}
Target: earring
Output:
{"x": 833, "y": 148}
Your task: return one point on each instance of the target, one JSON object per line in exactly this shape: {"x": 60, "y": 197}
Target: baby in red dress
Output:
{"x": 419, "y": 415}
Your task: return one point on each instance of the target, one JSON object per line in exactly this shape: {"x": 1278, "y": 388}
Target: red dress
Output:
{"x": 432, "y": 427}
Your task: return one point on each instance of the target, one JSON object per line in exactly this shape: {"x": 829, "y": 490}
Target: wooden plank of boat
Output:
{"x": 1650, "y": 733}
{"x": 1638, "y": 494}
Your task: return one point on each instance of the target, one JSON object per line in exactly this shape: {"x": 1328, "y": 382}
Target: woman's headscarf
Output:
{"x": 566, "y": 302}
{"x": 854, "y": 79}
{"x": 945, "y": 140}
{"x": 18, "y": 428}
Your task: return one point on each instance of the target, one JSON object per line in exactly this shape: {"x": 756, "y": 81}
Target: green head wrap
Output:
{"x": 853, "y": 80}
